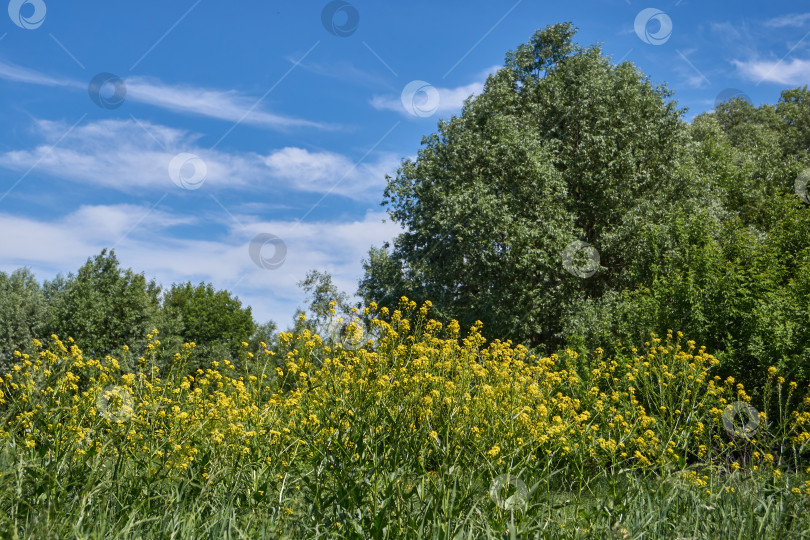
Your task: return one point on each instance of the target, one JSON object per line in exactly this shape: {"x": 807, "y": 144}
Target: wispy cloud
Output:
{"x": 347, "y": 71}
{"x": 319, "y": 171}
{"x": 796, "y": 20}
{"x": 450, "y": 99}
{"x": 130, "y": 155}
{"x": 332, "y": 245}
{"x": 228, "y": 105}
{"x": 224, "y": 105}
{"x": 737, "y": 37}
{"x": 119, "y": 154}
{"x": 789, "y": 72}
{"x": 13, "y": 72}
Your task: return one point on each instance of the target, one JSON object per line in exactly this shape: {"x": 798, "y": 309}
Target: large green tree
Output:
{"x": 103, "y": 306}
{"x": 561, "y": 146}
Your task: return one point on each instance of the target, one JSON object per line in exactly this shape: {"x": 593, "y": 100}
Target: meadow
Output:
{"x": 401, "y": 428}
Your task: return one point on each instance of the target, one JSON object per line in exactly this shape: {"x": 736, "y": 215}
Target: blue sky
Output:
{"x": 181, "y": 133}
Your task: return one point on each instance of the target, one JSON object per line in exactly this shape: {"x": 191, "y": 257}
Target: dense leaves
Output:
{"x": 214, "y": 320}
{"x": 562, "y": 146}
{"x": 23, "y": 311}
{"x": 102, "y": 306}
{"x": 697, "y": 226}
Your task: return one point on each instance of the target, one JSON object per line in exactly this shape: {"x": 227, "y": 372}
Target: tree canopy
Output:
{"x": 570, "y": 204}
{"x": 103, "y": 306}
{"x": 561, "y": 147}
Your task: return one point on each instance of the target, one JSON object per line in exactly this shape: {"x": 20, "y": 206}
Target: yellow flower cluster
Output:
{"x": 493, "y": 403}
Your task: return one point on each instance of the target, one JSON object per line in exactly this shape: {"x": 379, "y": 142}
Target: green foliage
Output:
{"x": 560, "y": 146}
{"x": 214, "y": 320}
{"x": 324, "y": 296}
{"x": 23, "y": 313}
{"x": 793, "y": 109}
{"x": 266, "y": 333}
{"x": 102, "y": 306}
{"x": 736, "y": 281}
{"x": 697, "y": 226}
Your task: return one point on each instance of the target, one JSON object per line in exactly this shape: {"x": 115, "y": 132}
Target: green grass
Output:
{"x": 395, "y": 504}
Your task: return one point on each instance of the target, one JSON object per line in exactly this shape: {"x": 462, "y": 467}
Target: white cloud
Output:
{"x": 224, "y": 105}
{"x": 325, "y": 172}
{"x": 63, "y": 245}
{"x": 132, "y": 155}
{"x": 122, "y": 154}
{"x": 489, "y": 71}
{"x": 450, "y": 100}
{"x": 229, "y": 105}
{"x": 13, "y": 72}
{"x": 790, "y": 72}
{"x": 796, "y": 20}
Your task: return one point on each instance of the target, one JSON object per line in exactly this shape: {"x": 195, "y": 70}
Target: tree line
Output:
{"x": 104, "y": 306}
